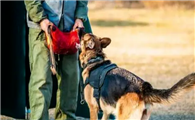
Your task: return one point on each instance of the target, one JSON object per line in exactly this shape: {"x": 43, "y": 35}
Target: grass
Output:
{"x": 155, "y": 44}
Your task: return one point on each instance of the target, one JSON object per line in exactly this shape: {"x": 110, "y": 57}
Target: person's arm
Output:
{"x": 37, "y": 14}
{"x": 81, "y": 10}
{"x": 35, "y": 10}
{"x": 80, "y": 13}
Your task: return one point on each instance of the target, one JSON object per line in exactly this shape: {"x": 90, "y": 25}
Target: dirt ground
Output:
{"x": 155, "y": 44}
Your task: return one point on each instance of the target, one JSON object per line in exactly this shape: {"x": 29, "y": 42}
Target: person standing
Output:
{"x": 67, "y": 15}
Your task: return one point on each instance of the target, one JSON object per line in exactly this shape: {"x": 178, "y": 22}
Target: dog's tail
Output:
{"x": 151, "y": 95}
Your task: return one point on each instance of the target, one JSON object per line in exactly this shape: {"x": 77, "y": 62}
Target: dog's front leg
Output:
{"x": 93, "y": 112}
{"x": 105, "y": 116}
{"x": 91, "y": 101}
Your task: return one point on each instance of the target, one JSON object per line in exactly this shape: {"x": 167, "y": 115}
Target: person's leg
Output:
{"x": 68, "y": 81}
{"x": 40, "y": 85}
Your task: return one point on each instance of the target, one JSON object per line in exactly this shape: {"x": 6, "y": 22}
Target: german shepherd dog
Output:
{"x": 123, "y": 94}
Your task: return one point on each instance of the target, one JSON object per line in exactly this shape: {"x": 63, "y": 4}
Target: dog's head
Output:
{"x": 92, "y": 47}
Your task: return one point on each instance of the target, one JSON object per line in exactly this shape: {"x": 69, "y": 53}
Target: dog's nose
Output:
{"x": 78, "y": 46}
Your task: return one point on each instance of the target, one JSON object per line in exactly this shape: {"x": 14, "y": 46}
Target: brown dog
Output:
{"x": 122, "y": 93}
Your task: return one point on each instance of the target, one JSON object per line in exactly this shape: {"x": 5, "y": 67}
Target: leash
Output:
{"x": 82, "y": 101}
{"x": 52, "y": 58}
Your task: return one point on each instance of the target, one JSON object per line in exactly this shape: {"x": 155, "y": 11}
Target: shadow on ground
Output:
{"x": 176, "y": 116}
{"x": 113, "y": 23}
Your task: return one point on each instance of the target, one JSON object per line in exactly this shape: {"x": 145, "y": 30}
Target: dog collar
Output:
{"x": 93, "y": 60}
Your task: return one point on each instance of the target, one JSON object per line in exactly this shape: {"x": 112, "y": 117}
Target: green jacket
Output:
{"x": 54, "y": 10}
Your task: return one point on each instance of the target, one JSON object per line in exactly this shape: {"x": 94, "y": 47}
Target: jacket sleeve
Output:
{"x": 35, "y": 10}
{"x": 81, "y": 10}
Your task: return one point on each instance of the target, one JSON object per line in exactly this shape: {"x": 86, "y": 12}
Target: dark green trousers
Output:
{"x": 40, "y": 86}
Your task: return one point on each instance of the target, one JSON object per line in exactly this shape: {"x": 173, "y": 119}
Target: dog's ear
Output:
{"x": 105, "y": 42}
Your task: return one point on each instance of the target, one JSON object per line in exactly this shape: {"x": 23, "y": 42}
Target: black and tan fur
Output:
{"x": 123, "y": 93}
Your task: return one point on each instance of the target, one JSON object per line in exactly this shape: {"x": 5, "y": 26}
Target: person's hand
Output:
{"x": 44, "y": 25}
{"x": 78, "y": 24}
